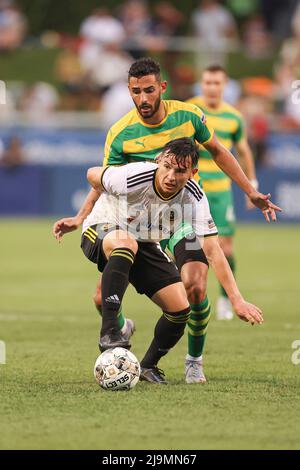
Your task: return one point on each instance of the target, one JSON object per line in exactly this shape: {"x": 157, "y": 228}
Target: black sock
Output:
{"x": 167, "y": 333}
{"x": 114, "y": 284}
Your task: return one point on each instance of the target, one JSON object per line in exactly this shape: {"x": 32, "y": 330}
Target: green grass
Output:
{"x": 48, "y": 397}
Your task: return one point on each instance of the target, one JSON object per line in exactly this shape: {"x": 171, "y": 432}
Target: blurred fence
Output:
{"x": 52, "y": 180}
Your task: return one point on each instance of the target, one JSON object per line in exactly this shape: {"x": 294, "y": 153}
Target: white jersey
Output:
{"x": 131, "y": 201}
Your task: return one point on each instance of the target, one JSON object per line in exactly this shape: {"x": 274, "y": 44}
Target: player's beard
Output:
{"x": 153, "y": 108}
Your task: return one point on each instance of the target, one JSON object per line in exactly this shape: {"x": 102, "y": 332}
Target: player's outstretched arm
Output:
{"x": 69, "y": 224}
{"x": 226, "y": 161}
{"x": 216, "y": 258}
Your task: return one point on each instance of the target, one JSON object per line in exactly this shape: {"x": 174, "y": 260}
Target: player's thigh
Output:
{"x": 92, "y": 242}
{"x": 171, "y": 298}
{"x": 222, "y": 211}
{"x": 118, "y": 239}
{"x": 152, "y": 270}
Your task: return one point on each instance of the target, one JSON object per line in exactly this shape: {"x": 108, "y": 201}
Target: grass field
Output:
{"x": 48, "y": 397}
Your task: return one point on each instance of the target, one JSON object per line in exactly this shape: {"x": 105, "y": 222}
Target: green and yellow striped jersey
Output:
{"x": 228, "y": 125}
{"x": 131, "y": 140}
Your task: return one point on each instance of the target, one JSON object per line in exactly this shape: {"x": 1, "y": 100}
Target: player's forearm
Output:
{"x": 226, "y": 161}
{"x": 221, "y": 268}
{"x": 88, "y": 205}
{"x": 246, "y": 160}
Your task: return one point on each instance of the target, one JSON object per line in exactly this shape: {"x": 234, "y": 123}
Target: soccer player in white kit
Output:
{"x": 141, "y": 204}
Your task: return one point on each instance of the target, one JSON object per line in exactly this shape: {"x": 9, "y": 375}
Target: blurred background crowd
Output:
{"x": 65, "y": 63}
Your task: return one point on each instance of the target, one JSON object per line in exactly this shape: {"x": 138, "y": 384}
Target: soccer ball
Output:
{"x": 117, "y": 369}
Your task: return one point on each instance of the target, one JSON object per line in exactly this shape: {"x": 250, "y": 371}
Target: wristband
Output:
{"x": 254, "y": 183}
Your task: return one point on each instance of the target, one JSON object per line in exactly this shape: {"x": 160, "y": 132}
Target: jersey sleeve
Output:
{"x": 113, "y": 150}
{"x": 202, "y": 221}
{"x": 240, "y": 132}
{"x": 203, "y": 133}
{"x": 114, "y": 180}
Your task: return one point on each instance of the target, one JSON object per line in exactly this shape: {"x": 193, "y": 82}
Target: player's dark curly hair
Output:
{"x": 182, "y": 149}
{"x": 144, "y": 66}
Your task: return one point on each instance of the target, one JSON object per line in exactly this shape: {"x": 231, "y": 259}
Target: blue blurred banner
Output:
{"x": 284, "y": 187}
{"x": 53, "y": 146}
{"x": 42, "y": 190}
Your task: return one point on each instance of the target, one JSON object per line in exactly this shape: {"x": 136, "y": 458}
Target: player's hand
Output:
{"x": 262, "y": 201}
{"x": 65, "y": 225}
{"x": 249, "y": 204}
{"x": 248, "y": 312}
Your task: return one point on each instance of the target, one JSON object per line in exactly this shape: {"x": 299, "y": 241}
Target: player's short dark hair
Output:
{"x": 144, "y": 66}
{"x": 215, "y": 68}
{"x": 182, "y": 149}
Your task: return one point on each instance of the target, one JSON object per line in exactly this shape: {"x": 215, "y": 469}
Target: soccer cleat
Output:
{"x": 129, "y": 329}
{"x": 113, "y": 339}
{"x": 224, "y": 309}
{"x": 194, "y": 372}
{"x": 153, "y": 375}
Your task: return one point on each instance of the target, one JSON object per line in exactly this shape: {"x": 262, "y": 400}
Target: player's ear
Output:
{"x": 163, "y": 86}
{"x": 158, "y": 157}
{"x": 194, "y": 171}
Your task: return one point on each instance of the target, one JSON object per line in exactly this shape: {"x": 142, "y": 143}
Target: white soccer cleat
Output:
{"x": 129, "y": 329}
{"x": 224, "y": 309}
{"x": 194, "y": 372}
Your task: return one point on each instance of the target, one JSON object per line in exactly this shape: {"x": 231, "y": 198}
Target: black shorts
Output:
{"x": 183, "y": 255}
{"x": 152, "y": 269}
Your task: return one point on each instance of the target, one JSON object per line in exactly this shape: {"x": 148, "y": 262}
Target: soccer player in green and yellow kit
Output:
{"x": 140, "y": 136}
{"x": 229, "y": 127}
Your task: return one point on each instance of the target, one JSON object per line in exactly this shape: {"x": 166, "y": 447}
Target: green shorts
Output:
{"x": 222, "y": 211}
{"x": 169, "y": 243}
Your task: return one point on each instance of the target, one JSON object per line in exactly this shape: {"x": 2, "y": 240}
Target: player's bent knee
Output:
{"x": 196, "y": 291}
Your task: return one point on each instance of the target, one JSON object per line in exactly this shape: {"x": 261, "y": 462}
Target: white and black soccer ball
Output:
{"x": 117, "y": 369}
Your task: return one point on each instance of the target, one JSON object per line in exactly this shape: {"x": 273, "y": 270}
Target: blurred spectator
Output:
{"x": 115, "y": 103}
{"x": 106, "y": 66}
{"x": 12, "y": 26}
{"x": 12, "y": 155}
{"x": 136, "y": 20}
{"x": 255, "y": 108}
{"x": 287, "y": 71}
{"x": 256, "y": 38}
{"x": 168, "y": 19}
{"x": 70, "y": 74}
{"x": 278, "y": 15}
{"x": 214, "y": 25}
{"x": 111, "y": 66}
{"x": 101, "y": 27}
{"x": 290, "y": 51}
{"x": 39, "y": 102}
